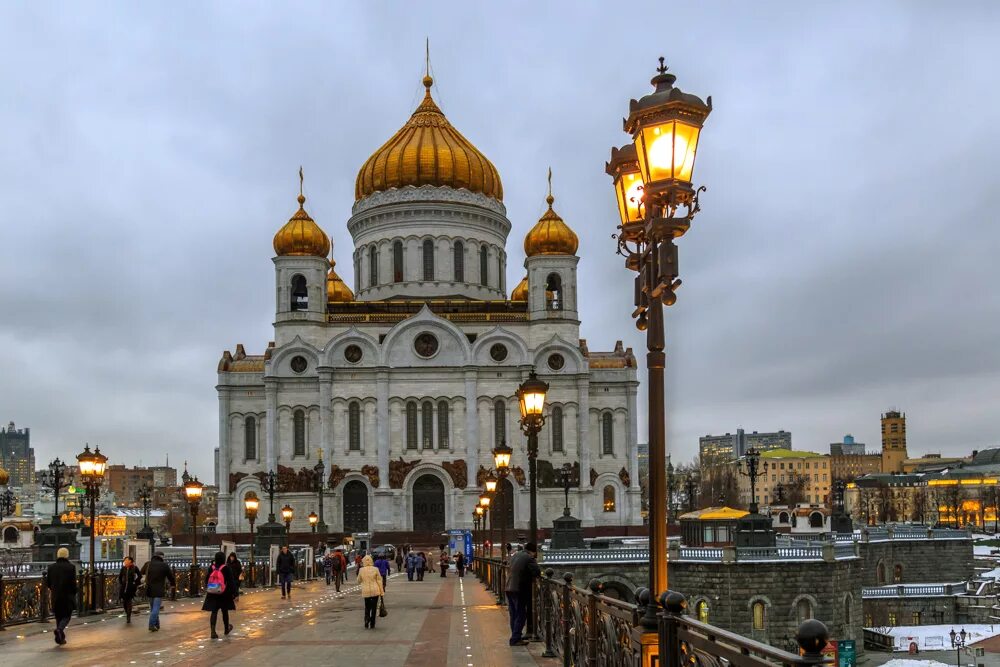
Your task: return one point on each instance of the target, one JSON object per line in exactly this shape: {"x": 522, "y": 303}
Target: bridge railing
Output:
{"x": 585, "y": 628}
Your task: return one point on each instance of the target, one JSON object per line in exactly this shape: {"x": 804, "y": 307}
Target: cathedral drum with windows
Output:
{"x": 403, "y": 385}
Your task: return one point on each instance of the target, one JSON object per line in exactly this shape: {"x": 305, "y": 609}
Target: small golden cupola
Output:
{"x": 550, "y": 235}
{"x": 301, "y": 236}
{"x": 427, "y": 150}
{"x": 520, "y": 292}
{"x": 337, "y": 290}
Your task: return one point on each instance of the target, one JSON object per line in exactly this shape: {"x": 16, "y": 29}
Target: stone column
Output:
{"x": 271, "y": 394}
{"x": 326, "y": 417}
{"x": 382, "y": 409}
{"x": 472, "y": 426}
{"x": 583, "y": 430}
{"x": 225, "y": 456}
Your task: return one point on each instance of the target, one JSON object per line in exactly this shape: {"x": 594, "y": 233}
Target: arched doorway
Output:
{"x": 428, "y": 504}
{"x": 507, "y": 489}
{"x": 355, "y": 507}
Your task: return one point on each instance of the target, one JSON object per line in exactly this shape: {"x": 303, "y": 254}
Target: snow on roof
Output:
{"x": 907, "y": 662}
{"x": 937, "y": 637}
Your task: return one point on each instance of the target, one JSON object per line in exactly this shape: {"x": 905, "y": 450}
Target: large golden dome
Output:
{"x": 550, "y": 235}
{"x": 337, "y": 290}
{"x": 301, "y": 236}
{"x": 427, "y": 150}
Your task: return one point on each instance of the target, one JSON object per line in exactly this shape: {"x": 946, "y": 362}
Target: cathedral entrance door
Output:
{"x": 355, "y": 507}
{"x": 428, "y": 504}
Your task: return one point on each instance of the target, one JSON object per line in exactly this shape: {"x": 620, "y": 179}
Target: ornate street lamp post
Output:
{"x": 691, "y": 489}
{"x": 318, "y": 473}
{"x": 250, "y": 505}
{"x": 501, "y": 459}
{"x": 313, "y": 520}
{"x": 55, "y": 478}
{"x": 484, "y": 502}
{"x": 958, "y": 640}
{"x": 92, "y": 465}
{"x": 751, "y": 468}
{"x": 531, "y": 400}
{"x": 656, "y": 204}
{"x": 287, "y": 514}
{"x": 269, "y": 486}
{"x": 566, "y": 476}
{"x": 192, "y": 493}
{"x": 145, "y": 498}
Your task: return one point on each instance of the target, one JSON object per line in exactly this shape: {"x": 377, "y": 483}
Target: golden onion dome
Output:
{"x": 427, "y": 150}
{"x": 337, "y": 290}
{"x": 4, "y": 477}
{"x": 520, "y": 292}
{"x": 301, "y": 236}
{"x": 550, "y": 235}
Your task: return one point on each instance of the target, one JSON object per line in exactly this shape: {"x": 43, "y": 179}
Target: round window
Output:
{"x": 353, "y": 353}
{"x": 498, "y": 352}
{"x": 299, "y": 364}
{"x": 426, "y": 345}
{"x": 556, "y": 361}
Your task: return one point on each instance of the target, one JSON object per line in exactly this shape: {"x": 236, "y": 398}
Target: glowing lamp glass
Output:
{"x": 251, "y": 504}
{"x": 501, "y": 457}
{"x": 193, "y": 490}
{"x": 313, "y": 518}
{"x": 628, "y": 189}
{"x": 480, "y": 511}
{"x": 666, "y": 151}
{"x": 287, "y": 513}
{"x": 531, "y": 396}
{"x": 484, "y": 500}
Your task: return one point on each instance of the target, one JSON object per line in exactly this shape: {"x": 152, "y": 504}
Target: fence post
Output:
{"x": 812, "y": 637}
{"x": 2, "y": 598}
{"x": 595, "y": 590}
{"x": 673, "y": 605}
{"x": 567, "y": 619}
{"x": 173, "y": 591}
{"x": 547, "y": 613}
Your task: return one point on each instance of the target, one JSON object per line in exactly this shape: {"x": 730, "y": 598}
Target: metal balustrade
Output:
{"x": 587, "y": 629}
{"x": 914, "y": 590}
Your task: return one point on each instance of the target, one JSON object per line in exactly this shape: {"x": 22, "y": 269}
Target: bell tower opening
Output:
{"x": 300, "y": 295}
{"x": 553, "y": 292}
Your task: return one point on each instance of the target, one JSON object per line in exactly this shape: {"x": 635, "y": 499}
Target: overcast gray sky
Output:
{"x": 845, "y": 260}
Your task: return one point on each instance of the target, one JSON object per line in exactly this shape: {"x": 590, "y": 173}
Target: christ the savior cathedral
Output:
{"x": 405, "y": 383}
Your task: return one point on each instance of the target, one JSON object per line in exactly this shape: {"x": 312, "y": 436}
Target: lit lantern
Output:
{"x": 484, "y": 500}
{"x": 287, "y": 513}
{"x": 92, "y": 465}
{"x": 531, "y": 397}
{"x": 251, "y": 504}
{"x": 491, "y": 482}
{"x": 193, "y": 490}
{"x": 501, "y": 457}
{"x": 624, "y": 170}
{"x": 665, "y": 126}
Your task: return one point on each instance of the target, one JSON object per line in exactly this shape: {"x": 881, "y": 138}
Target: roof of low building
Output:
{"x": 715, "y": 513}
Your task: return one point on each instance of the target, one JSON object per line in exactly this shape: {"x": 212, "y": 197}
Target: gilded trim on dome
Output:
{"x": 427, "y": 150}
{"x": 550, "y": 235}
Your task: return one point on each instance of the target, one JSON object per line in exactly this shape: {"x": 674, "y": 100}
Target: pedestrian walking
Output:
{"x": 328, "y": 561}
{"x": 399, "y": 561}
{"x": 220, "y": 593}
{"x": 371, "y": 589}
{"x": 411, "y": 565}
{"x": 460, "y": 563}
{"x": 358, "y": 563}
{"x": 60, "y": 579}
{"x": 157, "y": 574}
{"x": 443, "y": 560}
{"x": 129, "y": 578}
{"x": 523, "y": 570}
{"x": 382, "y": 564}
{"x": 284, "y": 565}
{"x": 421, "y": 565}
{"x": 339, "y": 567}
{"x": 236, "y": 567}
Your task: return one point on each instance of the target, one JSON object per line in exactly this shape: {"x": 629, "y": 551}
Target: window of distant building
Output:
{"x": 427, "y": 422}
{"x": 459, "y": 262}
{"x": 428, "y": 260}
{"x": 499, "y": 422}
{"x": 759, "y": 615}
{"x": 702, "y": 610}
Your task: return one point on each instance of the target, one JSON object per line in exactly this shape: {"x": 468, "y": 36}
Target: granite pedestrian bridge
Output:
{"x": 441, "y": 622}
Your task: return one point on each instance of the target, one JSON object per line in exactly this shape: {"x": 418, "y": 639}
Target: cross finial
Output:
{"x": 550, "y": 198}
{"x": 427, "y": 56}
{"x": 662, "y": 69}
{"x": 302, "y": 179}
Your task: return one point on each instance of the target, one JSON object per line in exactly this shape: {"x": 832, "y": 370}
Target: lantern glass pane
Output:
{"x": 631, "y": 189}
{"x": 667, "y": 151}
{"x": 86, "y": 466}
{"x": 502, "y": 459}
{"x": 533, "y": 403}
{"x": 491, "y": 486}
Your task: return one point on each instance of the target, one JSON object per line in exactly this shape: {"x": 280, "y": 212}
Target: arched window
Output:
{"x": 608, "y": 434}
{"x": 484, "y": 269}
{"x": 428, "y": 260}
{"x": 397, "y": 261}
{"x": 427, "y": 423}
{"x": 10, "y": 534}
{"x": 299, "y": 433}
{"x": 372, "y": 266}
{"x": 553, "y": 292}
{"x": 880, "y": 573}
{"x": 459, "y": 262}
{"x": 609, "y": 498}
{"x": 443, "y": 425}
{"x": 300, "y": 294}
{"x": 815, "y": 520}
{"x": 783, "y": 517}
{"x": 759, "y": 615}
{"x": 250, "y": 439}
{"x": 803, "y": 609}
{"x": 557, "y": 429}
{"x": 499, "y": 422}
{"x": 897, "y": 574}
{"x": 411, "y": 425}
{"x": 702, "y": 610}
{"x": 354, "y": 426}
{"x": 500, "y": 280}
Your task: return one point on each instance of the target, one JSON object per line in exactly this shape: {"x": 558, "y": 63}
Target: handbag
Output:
{"x": 382, "y": 611}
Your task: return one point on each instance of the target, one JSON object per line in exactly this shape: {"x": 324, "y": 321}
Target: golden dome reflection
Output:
{"x": 427, "y": 150}
{"x": 550, "y": 235}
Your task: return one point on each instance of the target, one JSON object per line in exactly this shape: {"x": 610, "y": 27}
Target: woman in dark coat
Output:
{"x": 224, "y": 601}
{"x": 128, "y": 584}
{"x": 234, "y": 565}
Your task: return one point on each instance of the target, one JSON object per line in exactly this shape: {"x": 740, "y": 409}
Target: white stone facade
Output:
{"x": 432, "y": 391}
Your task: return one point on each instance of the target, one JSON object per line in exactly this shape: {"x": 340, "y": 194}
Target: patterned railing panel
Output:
{"x": 22, "y": 599}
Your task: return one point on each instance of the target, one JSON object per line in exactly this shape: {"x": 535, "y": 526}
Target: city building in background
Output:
{"x": 847, "y": 448}
{"x": 893, "y": 441}
{"x": 803, "y": 477}
{"x": 16, "y": 455}
{"x": 848, "y": 460}
{"x": 731, "y": 446}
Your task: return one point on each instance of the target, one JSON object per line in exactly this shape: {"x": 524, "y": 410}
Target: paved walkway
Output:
{"x": 438, "y": 622}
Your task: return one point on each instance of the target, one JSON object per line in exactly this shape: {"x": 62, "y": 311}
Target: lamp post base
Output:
{"x": 194, "y": 583}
